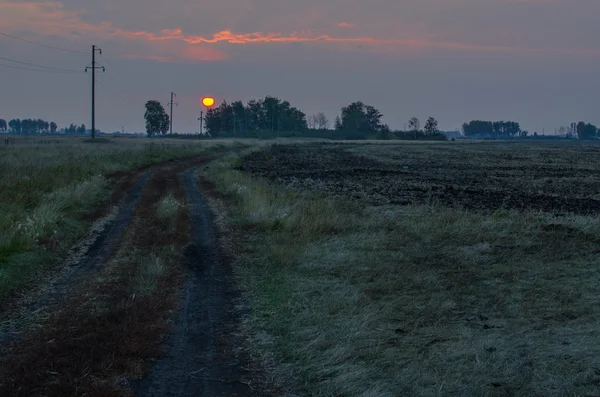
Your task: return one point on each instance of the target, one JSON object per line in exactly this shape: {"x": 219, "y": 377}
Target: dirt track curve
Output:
{"x": 202, "y": 356}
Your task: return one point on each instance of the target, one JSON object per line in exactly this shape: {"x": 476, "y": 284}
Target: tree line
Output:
{"x": 497, "y": 129}
{"x": 512, "y": 129}
{"x": 271, "y": 116}
{"x": 37, "y": 126}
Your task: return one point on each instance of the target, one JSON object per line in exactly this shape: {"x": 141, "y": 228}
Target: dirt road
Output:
{"x": 201, "y": 358}
{"x": 89, "y": 331}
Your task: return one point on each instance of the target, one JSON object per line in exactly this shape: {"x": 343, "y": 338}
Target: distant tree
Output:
{"x": 220, "y": 119}
{"x": 338, "y": 123}
{"x": 15, "y": 126}
{"x": 358, "y": 119}
{"x": 414, "y": 124}
{"x": 28, "y": 126}
{"x": 586, "y": 131}
{"x": 431, "y": 126}
{"x": 373, "y": 119}
{"x": 322, "y": 122}
{"x": 72, "y": 129}
{"x": 318, "y": 121}
{"x": 157, "y": 120}
{"x": 81, "y": 129}
{"x": 3, "y": 125}
{"x": 479, "y": 127}
{"x": 53, "y": 127}
{"x": 239, "y": 118}
{"x": 385, "y": 132}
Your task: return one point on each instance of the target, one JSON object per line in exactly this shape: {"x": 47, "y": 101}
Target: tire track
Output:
{"x": 202, "y": 358}
{"x": 99, "y": 247}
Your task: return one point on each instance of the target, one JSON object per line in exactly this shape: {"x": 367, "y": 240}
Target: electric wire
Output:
{"x": 36, "y": 70}
{"x": 43, "y": 45}
{"x": 125, "y": 79}
{"x": 41, "y": 66}
{"x": 112, "y": 91}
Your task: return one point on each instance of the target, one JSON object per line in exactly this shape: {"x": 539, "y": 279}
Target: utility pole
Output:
{"x": 171, "y": 104}
{"x": 94, "y": 67}
{"x": 200, "y": 122}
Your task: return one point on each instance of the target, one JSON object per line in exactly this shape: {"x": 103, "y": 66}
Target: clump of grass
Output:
{"x": 417, "y": 300}
{"x": 167, "y": 207}
{"x": 151, "y": 269}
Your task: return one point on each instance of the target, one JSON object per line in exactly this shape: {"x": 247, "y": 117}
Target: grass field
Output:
{"x": 420, "y": 270}
{"x": 51, "y": 190}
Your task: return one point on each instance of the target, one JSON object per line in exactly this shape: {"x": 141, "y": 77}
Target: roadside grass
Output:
{"x": 417, "y": 300}
{"x": 113, "y": 321}
{"x": 48, "y": 192}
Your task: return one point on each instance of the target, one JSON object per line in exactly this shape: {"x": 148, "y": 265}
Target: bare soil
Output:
{"x": 558, "y": 179}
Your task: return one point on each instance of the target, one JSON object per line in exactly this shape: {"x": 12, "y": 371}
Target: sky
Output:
{"x": 531, "y": 61}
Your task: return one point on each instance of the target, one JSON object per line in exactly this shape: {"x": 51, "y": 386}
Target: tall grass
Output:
{"x": 417, "y": 300}
{"x": 46, "y": 190}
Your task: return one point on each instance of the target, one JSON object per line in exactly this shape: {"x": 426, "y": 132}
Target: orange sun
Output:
{"x": 208, "y": 102}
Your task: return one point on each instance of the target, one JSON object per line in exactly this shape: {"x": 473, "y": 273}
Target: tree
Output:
{"x": 157, "y": 120}
{"x": 431, "y": 126}
{"x": 15, "y": 126}
{"x": 318, "y": 121}
{"x": 358, "y": 119}
{"x": 322, "y": 121}
{"x": 239, "y": 118}
{"x": 385, "y": 132}
{"x": 414, "y": 124}
{"x": 337, "y": 125}
{"x": 53, "y": 127}
{"x": 72, "y": 129}
{"x": 3, "y": 125}
{"x": 586, "y": 131}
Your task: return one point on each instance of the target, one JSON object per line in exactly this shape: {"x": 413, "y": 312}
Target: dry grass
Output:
{"x": 167, "y": 210}
{"x": 417, "y": 300}
{"x": 49, "y": 192}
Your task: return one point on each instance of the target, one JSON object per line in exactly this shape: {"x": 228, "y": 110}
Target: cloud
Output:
{"x": 172, "y": 45}
{"x": 346, "y": 25}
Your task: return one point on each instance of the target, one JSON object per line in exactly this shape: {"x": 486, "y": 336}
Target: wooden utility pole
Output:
{"x": 94, "y": 67}
{"x": 171, "y": 116}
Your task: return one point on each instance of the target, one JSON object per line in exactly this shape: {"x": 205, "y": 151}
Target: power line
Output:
{"x": 42, "y": 66}
{"x": 125, "y": 79}
{"x": 43, "y": 45}
{"x": 34, "y": 70}
{"x": 119, "y": 84}
{"x": 113, "y": 92}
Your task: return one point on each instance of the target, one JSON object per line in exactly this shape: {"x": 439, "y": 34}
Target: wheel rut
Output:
{"x": 202, "y": 358}
{"x": 88, "y": 257}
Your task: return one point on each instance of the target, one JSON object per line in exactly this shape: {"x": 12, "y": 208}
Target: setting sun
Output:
{"x": 208, "y": 102}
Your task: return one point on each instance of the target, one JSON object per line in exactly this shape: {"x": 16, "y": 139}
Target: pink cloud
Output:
{"x": 171, "y": 45}
{"x": 346, "y": 25}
